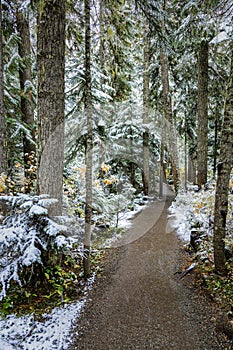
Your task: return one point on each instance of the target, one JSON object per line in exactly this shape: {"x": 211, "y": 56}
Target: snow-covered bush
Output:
{"x": 28, "y": 239}
{"x": 195, "y": 210}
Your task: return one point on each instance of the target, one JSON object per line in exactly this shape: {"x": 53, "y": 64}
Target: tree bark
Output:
{"x": 167, "y": 107}
{"x": 3, "y": 148}
{"x": 191, "y": 169}
{"x": 89, "y": 141}
{"x": 222, "y": 187}
{"x": 51, "y": 101}
{"x": 202, "y": 106}
{"x": 27, "y": 106}
{"x": 215, "y": 146}
{"x": 146, "y": 97}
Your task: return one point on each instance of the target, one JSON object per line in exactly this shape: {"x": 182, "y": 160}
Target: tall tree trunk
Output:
{"x": 3, "y": 148}
{"x": 101, "y": 123}
{"x": 222, "y": 187}
{"x": 51, "y": 101}
{"x": 167, "y": 107}
{"x": 27, "y": 107}
{"x": 146, "y": 97}
{"x": 89, "y": 141}
{"x": 216, "y": 146}
{"x": 202, "y": 106}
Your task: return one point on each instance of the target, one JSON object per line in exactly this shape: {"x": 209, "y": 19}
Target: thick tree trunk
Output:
{"x": 202, "y": 106}
{"x": 222, "y": 188}
{"x": 3, "y": 148}
{"x": 191, "y": 169}
{"x": 167, "y": 107}
{"x": 51, "y": 102}
{"x": 89, "y": 141}
{"x": 27, "y": 106}
{"x": 146, "y": 97}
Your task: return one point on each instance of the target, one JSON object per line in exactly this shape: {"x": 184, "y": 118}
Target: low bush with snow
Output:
{"x": 28, "y": 237}
{"x": 194, "y": 209}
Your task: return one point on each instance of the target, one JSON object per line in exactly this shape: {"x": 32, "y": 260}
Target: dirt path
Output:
{"x": 140, "y": 304}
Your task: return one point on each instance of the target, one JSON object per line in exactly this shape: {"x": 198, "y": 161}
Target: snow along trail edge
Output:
{"x": 138, "y": 302}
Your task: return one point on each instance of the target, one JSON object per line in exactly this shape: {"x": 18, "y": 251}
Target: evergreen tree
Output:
{"x": 222, "y": 188}
{"x": 3, "y": 149}
{"x": 89, "y": 140}
{"x": 146, "y": 108}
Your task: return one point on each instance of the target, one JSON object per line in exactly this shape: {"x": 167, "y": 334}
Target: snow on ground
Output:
{"x": 194, "y": 208}
{"x": 180, "y": 212}
{"x": 52, "y": 332}
{"x": 126, "y": 223}
{"x": 126, "y": 219}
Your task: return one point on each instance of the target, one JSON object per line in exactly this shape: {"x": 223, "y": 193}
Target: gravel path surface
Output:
{"x": 138, "y": 302}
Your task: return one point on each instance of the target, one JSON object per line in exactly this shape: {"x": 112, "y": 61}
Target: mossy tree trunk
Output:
{"x": 51, "y": 101}
{"x": 223, "y": 176}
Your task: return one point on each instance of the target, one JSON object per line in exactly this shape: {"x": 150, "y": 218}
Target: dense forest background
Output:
{"x": 101, "y": 103}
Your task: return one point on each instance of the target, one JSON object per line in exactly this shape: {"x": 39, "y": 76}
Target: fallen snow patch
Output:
{"x": 53, "y": 332}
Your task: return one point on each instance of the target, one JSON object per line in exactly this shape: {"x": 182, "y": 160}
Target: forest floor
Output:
{"x": 139, "y": 302}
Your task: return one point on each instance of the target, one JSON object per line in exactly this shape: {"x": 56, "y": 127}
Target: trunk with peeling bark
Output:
{"x": 51, "y": 101}
{"x": 3, "y": 149}
{"x": 222, "y": 187}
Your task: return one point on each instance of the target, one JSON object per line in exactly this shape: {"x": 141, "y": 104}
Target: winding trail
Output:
{"x": 139, "y": 303}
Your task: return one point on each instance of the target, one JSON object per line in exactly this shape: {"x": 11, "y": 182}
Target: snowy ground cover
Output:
{"x": 52, "y": 331}
{"x": 193, "y": 210}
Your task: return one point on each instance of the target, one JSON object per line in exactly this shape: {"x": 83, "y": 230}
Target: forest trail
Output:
{"x": 139, "y": 303}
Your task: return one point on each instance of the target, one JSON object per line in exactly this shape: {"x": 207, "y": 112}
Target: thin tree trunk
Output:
{"x": 202, "y": 106}
{"x": 27, "y": 107}
{"x": 89, "y": 141}
{"x": 3, "y": 148}
{"x": 101, "y": 124}
{"x": 146, "y": 97}
{"x": 131, "y": 163}
{"x": 51, "y": 101}
{"x": 215, "y": 146}
{"x": 161, "y": 171}
{"x": 222, "y": 187}
{"x": 167, "y": 107}
{"x": 185, "y": 158}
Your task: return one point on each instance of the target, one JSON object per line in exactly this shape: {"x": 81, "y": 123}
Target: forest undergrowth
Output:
{"x": 41, "y": 257}
{"x": 43, "y": 269}
{"x": 192, "y": 214}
